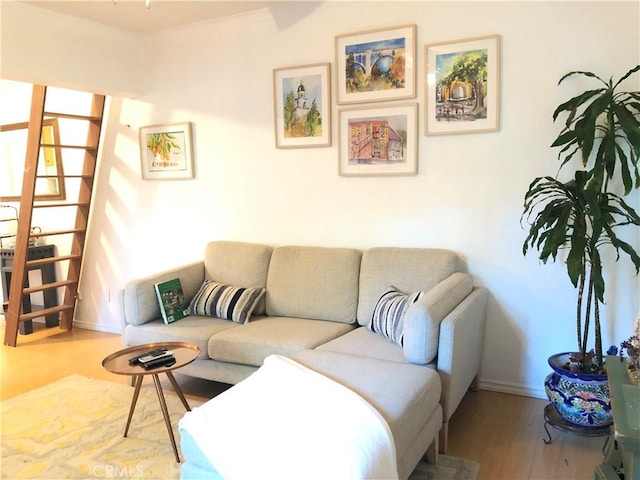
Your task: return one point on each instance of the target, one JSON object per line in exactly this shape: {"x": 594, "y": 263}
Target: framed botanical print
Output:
{"x": 166, "y": 152}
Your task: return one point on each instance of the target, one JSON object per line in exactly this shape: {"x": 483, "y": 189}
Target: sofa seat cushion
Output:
{"x": 405, "y": 395}
{"x": 192, "y": 329}
{"x": 252, "y": 342}
{"x": 362, "y": 342}
{"x": 314, "y": 282}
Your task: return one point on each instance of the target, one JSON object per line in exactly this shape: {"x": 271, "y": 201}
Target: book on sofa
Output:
{"x": 173, "y": 304}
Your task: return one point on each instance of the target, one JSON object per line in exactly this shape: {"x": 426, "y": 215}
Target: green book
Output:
{"x": 173, "y": 304}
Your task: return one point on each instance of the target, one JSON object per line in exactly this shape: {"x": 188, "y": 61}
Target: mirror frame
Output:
{"x": 51, "y": 143}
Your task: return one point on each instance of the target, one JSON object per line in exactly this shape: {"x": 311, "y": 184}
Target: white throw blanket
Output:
{"x": 288, "y": 422}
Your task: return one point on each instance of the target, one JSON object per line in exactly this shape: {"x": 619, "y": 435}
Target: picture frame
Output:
{"x": 302, "y": 106}
{"x": 462, "y": 106}
{"x": 166, "y": 152}
{"x": 376, "y": 65}
{"x": 379, "y": 140}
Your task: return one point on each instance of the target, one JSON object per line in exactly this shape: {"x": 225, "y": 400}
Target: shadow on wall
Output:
{"x": 291, "y": 13}
{"x": 505, "y": 340}
{"x": 110, "y": 233}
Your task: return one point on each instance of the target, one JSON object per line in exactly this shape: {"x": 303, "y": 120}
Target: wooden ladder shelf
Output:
{"x": 79, "y": 208}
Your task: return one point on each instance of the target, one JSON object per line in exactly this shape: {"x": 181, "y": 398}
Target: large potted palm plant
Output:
{"x": 580, "y": 218}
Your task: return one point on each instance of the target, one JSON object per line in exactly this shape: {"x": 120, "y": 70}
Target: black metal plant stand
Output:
{"x": 553, "y": 419}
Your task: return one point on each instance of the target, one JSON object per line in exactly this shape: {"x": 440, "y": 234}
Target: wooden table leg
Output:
{"x": 178, "y": 390}
{"x": 165, "y": 412}
{"x": 134, "y": 400}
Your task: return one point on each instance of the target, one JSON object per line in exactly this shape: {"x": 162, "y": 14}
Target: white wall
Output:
{"x": 41, "y": 46}
{"x": 467, "y": 196}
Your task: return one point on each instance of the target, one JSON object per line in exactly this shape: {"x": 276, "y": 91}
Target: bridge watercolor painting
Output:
{"x": 376, "y": 65}
{"x": 302, "y": 106}
{"x": 462, "y": 86}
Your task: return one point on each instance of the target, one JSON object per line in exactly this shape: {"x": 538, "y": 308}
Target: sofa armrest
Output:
{"x": 422, "y": 321}
{"x": 140, "y": 300}
{"x": 460, "y": 348}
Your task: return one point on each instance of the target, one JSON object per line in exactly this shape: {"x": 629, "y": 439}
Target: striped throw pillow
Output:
{"x": 388, "y": 314}
{"x": 225, "y": 301}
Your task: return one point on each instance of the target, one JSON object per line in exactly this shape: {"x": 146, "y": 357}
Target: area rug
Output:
{"x": 448, "y": 468}
{"x": 73, "y": 428}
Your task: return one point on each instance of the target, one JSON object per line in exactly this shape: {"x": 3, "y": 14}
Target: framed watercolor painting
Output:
{"x": 376, "y": 65}
{"x": 302, "y": 106}
{"x": 463, "y": 86}
{"x": 380, "y": 140}
{"x": 166, "y": 152}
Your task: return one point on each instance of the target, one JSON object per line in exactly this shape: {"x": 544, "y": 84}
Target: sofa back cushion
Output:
{"x": 407, "y": 269}
{"x": 314, "y": 282}
{"x": 239, "y": 264}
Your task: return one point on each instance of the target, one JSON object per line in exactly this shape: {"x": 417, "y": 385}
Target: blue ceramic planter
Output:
{"x": 580, "y": 399}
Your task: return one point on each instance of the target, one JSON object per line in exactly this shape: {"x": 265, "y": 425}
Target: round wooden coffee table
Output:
{"x": 118, "y": 363}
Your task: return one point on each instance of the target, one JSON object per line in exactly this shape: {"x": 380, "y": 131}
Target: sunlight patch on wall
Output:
{"x": 117, "y": 222}
{"x": 127, "y": 150}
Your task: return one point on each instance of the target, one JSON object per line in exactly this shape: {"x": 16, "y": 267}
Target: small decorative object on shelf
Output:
{"x": 632, "y": 361}
{"x": 622, "y": 457}
{"x": 8, "y": 226}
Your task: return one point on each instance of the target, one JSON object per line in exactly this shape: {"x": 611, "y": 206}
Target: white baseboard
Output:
{"x": 79, "y": 324}
{"x": 97, "y": 327}
{"x": 512, "y": 388}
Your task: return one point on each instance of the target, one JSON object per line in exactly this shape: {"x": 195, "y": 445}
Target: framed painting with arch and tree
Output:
{"x": 462, "y": 86}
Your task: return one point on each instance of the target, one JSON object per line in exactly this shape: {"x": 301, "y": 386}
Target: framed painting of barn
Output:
{"x": 379, "y": 140}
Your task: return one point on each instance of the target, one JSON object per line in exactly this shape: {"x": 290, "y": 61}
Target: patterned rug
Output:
{"x": 73, "y": 428}
{"x": 448, "y": 468}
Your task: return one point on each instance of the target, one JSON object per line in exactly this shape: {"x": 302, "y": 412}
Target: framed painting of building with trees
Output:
{"x": 376, "y": 65}
{"x": 379, "y": 140}
{"x": 302, "y": 106}
{"x": 462, "y": 86}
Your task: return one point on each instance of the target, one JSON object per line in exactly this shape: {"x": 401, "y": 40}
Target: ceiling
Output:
{"x": 133, "y": 16}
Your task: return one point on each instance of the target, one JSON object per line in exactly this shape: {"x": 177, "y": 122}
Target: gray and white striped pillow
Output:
{"x": 225, "y": 301}
{"x": 388, "y": 314}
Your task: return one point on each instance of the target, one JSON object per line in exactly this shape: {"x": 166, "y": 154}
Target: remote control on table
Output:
{"x": 151, "y": 358}
{"x": 152, "y": 354}
{"x": 160, "y": 362}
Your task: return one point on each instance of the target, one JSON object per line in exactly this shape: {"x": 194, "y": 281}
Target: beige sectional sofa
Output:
{"x": 316, "y": 307}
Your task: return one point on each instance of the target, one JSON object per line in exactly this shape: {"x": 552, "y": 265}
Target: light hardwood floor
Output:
{"x": 504, "y": 433}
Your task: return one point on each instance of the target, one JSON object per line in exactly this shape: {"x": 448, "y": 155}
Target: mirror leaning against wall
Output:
{"x": 13, "y": 149}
